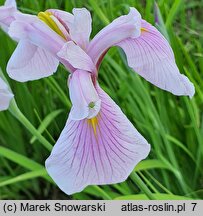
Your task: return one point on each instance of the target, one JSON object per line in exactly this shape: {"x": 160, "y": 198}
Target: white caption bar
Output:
{"x": 101, "y": 207}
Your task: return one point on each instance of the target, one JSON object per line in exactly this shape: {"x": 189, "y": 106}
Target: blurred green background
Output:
{"x": 172, "y": 125}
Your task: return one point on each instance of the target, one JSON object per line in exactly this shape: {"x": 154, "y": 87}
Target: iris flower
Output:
{"x": 98, "y": 145}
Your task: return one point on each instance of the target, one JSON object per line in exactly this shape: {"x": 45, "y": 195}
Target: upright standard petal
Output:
{"x": 5, "y": 95}
{"x": 30, "y": 62}
{"x": 81, "y": 27}
{"x": 64, "y": 17}
{"x": 11, "y": 3}
{"x": 151, "y": 56}
{"x": 78, "y": 24}
{"x": 121, "y": 28}
{"x": 101, "y": 150}
{"x": 83, "y": 95}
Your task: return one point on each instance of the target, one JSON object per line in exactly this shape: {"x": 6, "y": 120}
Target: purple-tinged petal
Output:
{"x": 121, "y": 28}
{"x": 64, "y": 17}
{"x": 11, "y": 3}
{"x": 76, "y": 56}
{"x": 62, "y": 28}
{"x": 151, "y": 56}
{"x": 5, "y": 96}
{"x": 7, "y": 12}
{"x": 83, "y": 95}
{"x": 37, "y": 32}
{"x": 50, "y": 20}
{"x": 78, "y": 24}
{"x": 81, "y": 27}
{"x": 30, "y": 62}
{"x": 8, "y": 9}
{"x": 102, "y": 150}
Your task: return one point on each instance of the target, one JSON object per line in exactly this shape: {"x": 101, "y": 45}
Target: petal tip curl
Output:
{"x": 189, "y": 86}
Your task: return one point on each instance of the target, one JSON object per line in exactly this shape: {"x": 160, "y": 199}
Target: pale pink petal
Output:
{"x": 8, "y": 9}
{"x": 83, "y": 95}
{"x": 11, "y": 3}
{"x": 62, "y": 28}
{"x": 95, "y": 155}
{"x": 3, "y": 85}
{"x": 7, "y": 12}
{"x": 5, "y": 96}
{"x": 30, "y": 62}
{"x": 151, "y": 56}
{"x": 81, "y": 27}
{"x": 37, "y": 32}
{"x": 121, "y": 28}
{"x": 78, "y": 24}
{"x": 76, "y": 56}
{"x": 64, "y": 17}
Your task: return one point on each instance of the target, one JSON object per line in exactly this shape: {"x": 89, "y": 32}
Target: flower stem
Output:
{"x": 138, "y": 181}
{"x": 15, "y": 111}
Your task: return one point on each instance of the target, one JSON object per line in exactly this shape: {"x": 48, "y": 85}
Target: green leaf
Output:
{"x": 46, "y": 122}
{"x": 158, "y": 196}
{"x": 173, "y": 11}
{"x": 22, "y": 160}
{"x": 25, "y": 176}
{"x": 99, "y": 12}
{"x": 179, "y": 144}
{"x": 19, "y": 159}
{"x": 159, "y": 22}
{"x": 97, "y": 191}
{"x": 151, "y": 164}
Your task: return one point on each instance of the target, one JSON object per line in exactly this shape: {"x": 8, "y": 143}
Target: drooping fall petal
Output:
{"x": 36, "y": 54}
{"x": 151, "y": 56}
{"x": 102, "y": 150}
{"x": 37, "y": 32}
{"x": 121, "y": 28}
{"x": 5, "y": 95}
{"x": 30, "y": 62}
{"x": 83, "y": 95}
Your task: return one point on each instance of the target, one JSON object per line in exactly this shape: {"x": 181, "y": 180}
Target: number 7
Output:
{"x": 194, "y": 204}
